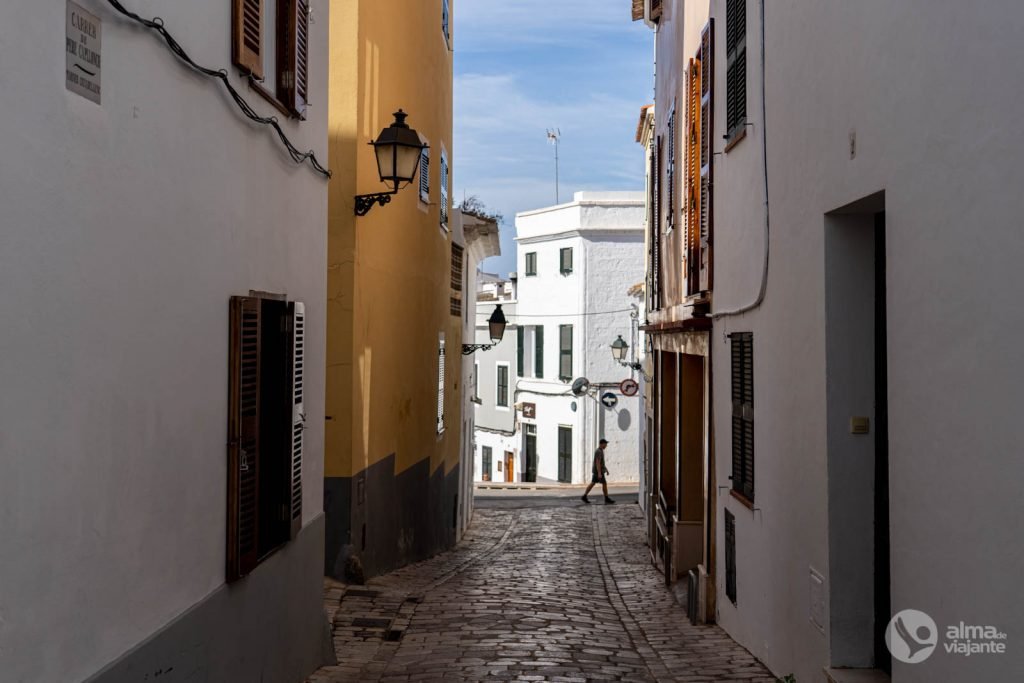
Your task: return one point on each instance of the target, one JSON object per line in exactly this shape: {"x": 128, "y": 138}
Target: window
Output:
{"x": 565, "y": 351}
{"x": 707, "y": 182}
{"x": 456, "y": 293}
{"x": 476, "y": 382}
{"x": 736, "y": 66}
{"x": 485, "y": 462}
{"x": 266, "y": 417}
{"x": 531, "y": 263}
{"x": 425, "y": 175}
{"x": 501, "y": 398}
{"x": 520, "y": 344}
{"x": 655, "y": 10}
{"x": 742, "y": 347}
{"x": 440, "y": 384}
{"x": 565, "y": 454}
{"x": 692, "y": 178}
{"x": 446, "y": 22}
{"x": 730, "y": 556}
{"x": 444, "y": 189}
{"x": 538, "y": 359}
{"x": 565, "y": 261}
{"x": 272, "y": 47}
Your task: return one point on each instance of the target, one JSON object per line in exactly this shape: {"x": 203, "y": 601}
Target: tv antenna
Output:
{"x": 554, "y": 136}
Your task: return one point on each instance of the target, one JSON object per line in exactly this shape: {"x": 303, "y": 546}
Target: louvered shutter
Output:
{"x": 298, "y": 412}
{"x": 670, "y": 173}
{"x": 444, "y": 190}
{"x": 520, "y": 350}
{"x": 538, "y": 361}
{"x": 247, "y": 36}
{"x": 742, "y": 369}
{"x": 425, "y": 175}
{"x": 655, "y": 10}
{"x": 440, "y": 386}
{"x": 736, "y": 66}
{"x": 692, "y": 181}
{"x": 706, "y": 153}
{"x": 565, "y": 352}
{"x": 730, "y": 556}
{"x": 294, "y": 66}
{"x": 456, "y": 280}
{"x": 243, "y": 435}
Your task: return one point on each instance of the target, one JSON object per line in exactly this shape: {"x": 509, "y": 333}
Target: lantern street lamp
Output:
{"x": 398, "y": 149}
{"x": 619, "y": 348}
{"x": 496, "y": 325}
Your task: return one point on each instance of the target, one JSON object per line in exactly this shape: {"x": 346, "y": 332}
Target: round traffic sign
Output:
{"x": 609, "y": 399}
{"x": 629, "y": 387}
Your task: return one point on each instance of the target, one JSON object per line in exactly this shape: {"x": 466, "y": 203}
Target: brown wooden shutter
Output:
{"x": 247, "y": 36}
{"x": 243, "y": 435}
{"x": 707, "y": 51}
{"x": 456, "y": 293}
{"x": 692, "y": 180}
{"x": 298, "y": 313}
{"x": 294, "y": 66}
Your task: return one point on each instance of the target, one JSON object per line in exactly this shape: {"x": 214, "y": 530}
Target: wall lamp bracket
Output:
{"x": 365, "y": 202}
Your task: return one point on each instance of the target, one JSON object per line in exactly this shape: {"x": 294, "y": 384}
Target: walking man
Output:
{"x": 598, "y": 474}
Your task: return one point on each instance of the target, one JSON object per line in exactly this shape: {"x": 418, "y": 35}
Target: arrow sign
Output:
{"x": 609, "y": 400}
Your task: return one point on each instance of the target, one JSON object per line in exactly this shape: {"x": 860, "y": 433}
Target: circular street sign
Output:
{"x": 629, "y": 387}
{"x": 609, "y": 399}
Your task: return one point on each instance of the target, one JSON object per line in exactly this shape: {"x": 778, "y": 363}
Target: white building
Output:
{"x": 137, "y": 203}
{"x": 881, "y": 328}
{"x": 576, "y": 265}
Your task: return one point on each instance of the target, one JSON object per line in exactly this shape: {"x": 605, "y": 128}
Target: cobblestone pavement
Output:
{"x": 556, "y": 594}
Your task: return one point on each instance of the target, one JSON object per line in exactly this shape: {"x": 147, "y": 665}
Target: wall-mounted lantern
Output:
{"x": 496, "y": 325}
{"x": 398, "y": 149}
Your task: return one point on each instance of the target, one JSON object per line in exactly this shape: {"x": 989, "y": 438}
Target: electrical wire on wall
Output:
{"x": 157, "y": 24}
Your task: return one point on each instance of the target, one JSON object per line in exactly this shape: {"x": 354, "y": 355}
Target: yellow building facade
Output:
{"x": 394, "y": 339}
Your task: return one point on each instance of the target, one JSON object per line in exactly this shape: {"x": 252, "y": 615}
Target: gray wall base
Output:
{"x": 269, "y": 627}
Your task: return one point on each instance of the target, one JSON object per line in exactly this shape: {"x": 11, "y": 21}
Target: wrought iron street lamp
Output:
{"x": 398, "y": 149}
{"x": 496, "y": 326}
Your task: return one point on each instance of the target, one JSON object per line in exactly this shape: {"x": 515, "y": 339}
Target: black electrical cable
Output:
{"x": 157, "y": 24}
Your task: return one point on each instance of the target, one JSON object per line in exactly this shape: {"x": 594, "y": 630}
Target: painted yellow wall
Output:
{"x": 388, "y": 271}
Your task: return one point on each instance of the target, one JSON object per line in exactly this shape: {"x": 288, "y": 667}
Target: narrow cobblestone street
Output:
{"x": 543, "y": 593}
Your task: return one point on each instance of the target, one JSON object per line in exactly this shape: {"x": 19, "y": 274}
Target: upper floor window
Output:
{"x": 565, "y": 351}
{"x": 272, "y": 47}
{"x": 425, "y": 175}
{"x": 736, "y": 67}
{"x": 456, "y": 284}
{"x": 501, "y": 397}
{"x": 742, "y": 347}
{"x": 444, "y": 189}
{"x": 446, "y": 14}
{"x": 531, "y": 263}
{"x": 565, "y": 260}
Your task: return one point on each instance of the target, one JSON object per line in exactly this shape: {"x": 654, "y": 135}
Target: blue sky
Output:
{"x": 523, "y": 66}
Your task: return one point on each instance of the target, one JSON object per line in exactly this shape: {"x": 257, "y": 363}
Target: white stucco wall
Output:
{"x": 125, "y": 228}
{"x": 931, "y": 129}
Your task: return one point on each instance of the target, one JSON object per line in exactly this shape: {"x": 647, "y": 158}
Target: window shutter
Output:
{"x": 295, "y": 65}
{"x": 520, "y": 357}
{"x": 736, "y": 66}
{"x": 670, "y": 173}
{"x": 445, "y": 20}
{"x": 298, "y": 412}
{"x": 655, "y": 10}
{"x": 444, "y": 191}
{"x": 247, "y": 36}
{"x": 730, "y": 556}
{"x": 706, "y": 154}
{"x": 565, "y": 352}
{"x": 742, "y": 356}
{"x": 692, "y": 179}
{"x": 440, "y": 386}
{"x": 656, "y": 239}
{"x": 243, "y": 435}
{"x": 425, "y": 175}
{"x": 456, "y": 284}
{"x": 538, "y": 361}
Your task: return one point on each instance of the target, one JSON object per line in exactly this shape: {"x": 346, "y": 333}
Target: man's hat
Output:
{"x": 602, "y": 441}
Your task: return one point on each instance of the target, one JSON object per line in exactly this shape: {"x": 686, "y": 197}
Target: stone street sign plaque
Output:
{"x": 82, "y": 45}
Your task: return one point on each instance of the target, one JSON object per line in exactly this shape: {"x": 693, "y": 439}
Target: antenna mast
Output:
{"x": 554, "y": 136}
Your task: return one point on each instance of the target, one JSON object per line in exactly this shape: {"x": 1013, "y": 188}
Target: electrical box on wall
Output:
{"x": 860, "y": 425}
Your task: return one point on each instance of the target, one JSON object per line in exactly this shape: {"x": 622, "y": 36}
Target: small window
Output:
{"x": 565, "y": 454}
{"x": 742, "y": 347}
{"x": 456, "y": 284}
{"x": 531, "y": 263}
{"x": 565, "y": 260}
{"x": 272, "y": 47}
{"x": 266, "y": 420}
{"x": 440, "y": 384}
{"x": 730, "y": 556}
{"x": 476, "y": 382}
{"x": 565, "y": 352}
{"x": 446, "y": 22}
{"x": 670, "y": 174}
{"x": 486, "y": 455}
{"x": 501, "y": 397}
{"x": 736, "y": 67}
{"x": 425, "y": 175}
{"x": 520, "y": 351}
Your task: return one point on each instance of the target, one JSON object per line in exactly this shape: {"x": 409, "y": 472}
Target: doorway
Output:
{"x": 531, "y": 453}
{"x": 857, "y": 433}
{"x": 510, "y": 460}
